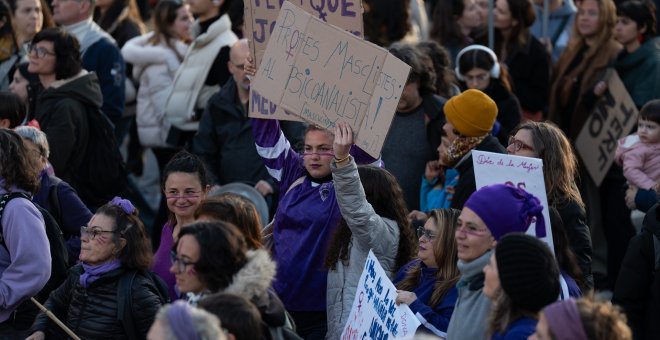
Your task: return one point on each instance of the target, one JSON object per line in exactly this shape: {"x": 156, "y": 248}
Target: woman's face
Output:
{"x": 184, "y": 193}
{"x": 181, "y": 25}
{"x": 522, "y": 144}
{"x": 542, "y": 330}
{"x": 502, "y": 19}
{"x": 477, "y": 78}
{"x": 42, "y": 58}
{"x": 426, "y": 251}
{"x": 183, "y": 267}
{"x": 449, "y": 132}
{"x": 492, "y": 279}
{"x": 97, "y": 244}
{"x": 318, "y": 153}
{"x": 471, "y": 17}
{"x": 625, "y": 30}
{"x": 28, "y": 18}
{"x": 18, "y": 86}
{"x": 482, "y": 9}
{"x": 472, "y": 236}
{"x": 587, "y": 18}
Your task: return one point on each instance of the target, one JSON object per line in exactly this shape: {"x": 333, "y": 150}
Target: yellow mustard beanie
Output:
{"x": 472, "y": 113}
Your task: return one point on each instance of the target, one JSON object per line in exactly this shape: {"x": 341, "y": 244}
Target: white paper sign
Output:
{"x": 522, "y": 172}
{"x": 375, "y": 315}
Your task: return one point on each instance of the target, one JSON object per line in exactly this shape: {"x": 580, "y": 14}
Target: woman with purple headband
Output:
{"x": 114, "y": 243}
{"x": 181, "y": 321}
{"x": 583, "y": 319}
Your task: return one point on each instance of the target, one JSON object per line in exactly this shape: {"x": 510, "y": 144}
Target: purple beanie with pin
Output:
{"x": 505, "y": 209}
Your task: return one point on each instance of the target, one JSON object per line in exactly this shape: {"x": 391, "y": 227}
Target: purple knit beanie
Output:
{"x": 505, "y": 209}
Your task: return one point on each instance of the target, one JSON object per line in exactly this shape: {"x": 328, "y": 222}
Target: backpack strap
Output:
{"x": 125, "y": 303}
{"x": 54, "y": 206}
{"x": 3, "y": 203}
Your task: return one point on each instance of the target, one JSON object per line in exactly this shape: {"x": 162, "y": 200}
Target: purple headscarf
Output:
{"x": 180, "y": 321}
{"x": 564, "y": 320}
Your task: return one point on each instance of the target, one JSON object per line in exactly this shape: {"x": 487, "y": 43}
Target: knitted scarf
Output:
{"x": 459, "y": 147}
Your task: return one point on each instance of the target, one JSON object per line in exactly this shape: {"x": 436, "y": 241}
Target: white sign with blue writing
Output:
{"x": 375, "y": 315}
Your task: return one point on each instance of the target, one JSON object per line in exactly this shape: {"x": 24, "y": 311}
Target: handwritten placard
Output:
{"x": 614, "y": 117}
{"x": 375, "y": 315}
{"x": 261, "y": 15}
{"x": 325, "y": 75}
{"x": 522, "y": 172}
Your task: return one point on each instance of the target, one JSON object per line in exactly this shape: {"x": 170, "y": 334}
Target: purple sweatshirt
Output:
{"x": 26, "y": 271}
{"x": 163, "y": 262}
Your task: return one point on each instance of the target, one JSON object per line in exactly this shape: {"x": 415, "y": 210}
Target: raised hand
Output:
{"x": 343, "y": 140}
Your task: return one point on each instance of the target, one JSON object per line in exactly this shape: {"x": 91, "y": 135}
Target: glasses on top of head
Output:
{"x": 92, "y": 232}
{"x": 179, "y": 263}
{"x": 423, "y": 232}
{"x": 40, "y": 52}
{"x": 519, "y": 145}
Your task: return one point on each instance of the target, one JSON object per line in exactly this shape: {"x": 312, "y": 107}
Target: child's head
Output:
{"x": 238, "y": 316}
{"x": 648, "y": 126}
{"x": 12, "y": 110}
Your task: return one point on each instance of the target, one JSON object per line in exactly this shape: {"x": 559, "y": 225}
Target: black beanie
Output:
{"x": 528, "y": 271}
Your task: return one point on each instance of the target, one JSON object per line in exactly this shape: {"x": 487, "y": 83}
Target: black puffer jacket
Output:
{"x": 91, "y": 312}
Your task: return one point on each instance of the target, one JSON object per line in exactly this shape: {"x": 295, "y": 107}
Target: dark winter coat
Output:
{"x": 91, "y": 313}
{"x": 529, "y": 67}
{"x": 640, "y": 71}
{"x": 509, "y": 113}
{"x": 466, "y": 183}
{"x": 62, "y": 114}
{"x": 579, "y": 235}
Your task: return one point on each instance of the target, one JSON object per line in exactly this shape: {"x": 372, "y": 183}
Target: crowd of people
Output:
{"x": 82, "y": 80}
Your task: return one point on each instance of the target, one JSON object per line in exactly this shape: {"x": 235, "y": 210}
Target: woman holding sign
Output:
{"x": 490, "y": 213}
{"x": 428, "y": 284}
{"x": 560, "y": 168}
{"x": 373, "y": 217}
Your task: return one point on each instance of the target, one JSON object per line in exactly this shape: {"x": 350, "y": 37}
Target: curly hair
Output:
{"x": 386, "y": 197}
{"x": 17, "y": 168}
{"x": 420, "y": 72}
{"x": 445, "y": 251}
{"x": 438, "y": 57}
{"x": 237, "y": 210}
{"x": 560, "y": 165}
{"x": 68, "y": 62}
{"x": 222, "y": 252}
{"x": 602, "y": 320}
{"x": 136, "y": 252}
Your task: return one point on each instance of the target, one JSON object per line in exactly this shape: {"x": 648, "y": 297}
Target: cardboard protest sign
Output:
{"x": 324, "y": 81}
{"x": 614, "y": 117}
{"x": 522, "y": 172}
{"x": 261, "y": 15}
{"x": 375, "y": 315}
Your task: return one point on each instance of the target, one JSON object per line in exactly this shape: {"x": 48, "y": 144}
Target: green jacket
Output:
{"x": 640, "y": 71}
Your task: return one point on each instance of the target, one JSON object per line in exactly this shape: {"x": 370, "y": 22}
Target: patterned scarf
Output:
{"x": 459, "y": 147}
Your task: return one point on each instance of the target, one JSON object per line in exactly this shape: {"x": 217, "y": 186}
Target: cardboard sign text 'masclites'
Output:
{"x": 325, "y": 75}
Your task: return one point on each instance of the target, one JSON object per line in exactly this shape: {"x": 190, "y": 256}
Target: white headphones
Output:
{"x": 494, "y": 72}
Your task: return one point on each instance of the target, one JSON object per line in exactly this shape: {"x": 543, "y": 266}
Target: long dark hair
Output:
{"x": 523, "y": 12}
{"x": 445, "y": 27}
{"x": 563, "y": 253}
{"x": 446, "y": 257}
{"x": 163, "y": 18}
{"x": 136, "y": 252}
{"x": 386, "y": 198}
{"x": 67, "y": 51}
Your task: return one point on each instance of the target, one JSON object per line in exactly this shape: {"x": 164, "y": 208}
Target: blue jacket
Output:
{"x": 517, "y": 330}
{"x": 104, "y": 58}
{"x": 434, "y": 320}
{"x": 432, "y": 198}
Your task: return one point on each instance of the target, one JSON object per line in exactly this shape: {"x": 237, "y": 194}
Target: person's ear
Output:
{"x": 493, "y": 243}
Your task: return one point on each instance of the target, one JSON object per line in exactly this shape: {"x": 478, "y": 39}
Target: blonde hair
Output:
{"x": 606, "y": 22}
{"x": 602, "y": 320}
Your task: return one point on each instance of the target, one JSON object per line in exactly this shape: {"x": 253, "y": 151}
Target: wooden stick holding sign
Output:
{"x": 614, "y": 117}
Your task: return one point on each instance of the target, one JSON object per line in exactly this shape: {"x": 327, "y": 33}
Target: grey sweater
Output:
{"x": 472, "y": 306}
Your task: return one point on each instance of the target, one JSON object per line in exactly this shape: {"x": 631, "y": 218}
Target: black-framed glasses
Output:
{"x": 92, "y": 232}
{"x": 40, "y": 52}
{"x": 519, "y": 145}
{"x": 423, "y": 232}
{"x": 179, "y": 263}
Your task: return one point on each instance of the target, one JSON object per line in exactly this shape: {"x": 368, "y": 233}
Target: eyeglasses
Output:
{"x": 471, "y": 230}
{"x": 92, "y": 233}
{"x": 40, "y": 52}
{"x": 179, "y": 263}
{"x": 423, "y": 232}
{"x": 170, "y": 195}
{"x": 519, "y": 145}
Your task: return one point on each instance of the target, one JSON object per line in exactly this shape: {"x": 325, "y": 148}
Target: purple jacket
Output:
{"x": 26, "y": 271}
{"x": 641, "y": 161}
